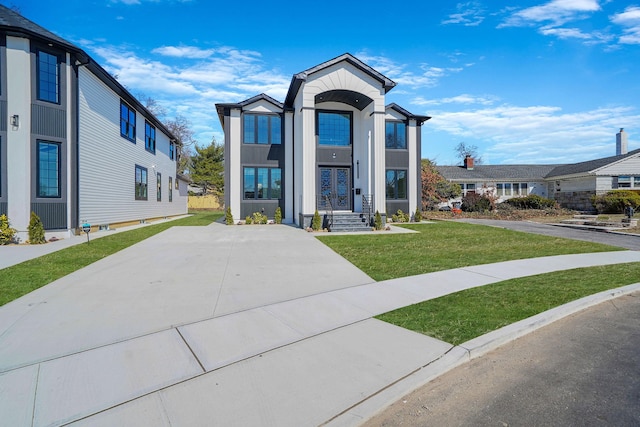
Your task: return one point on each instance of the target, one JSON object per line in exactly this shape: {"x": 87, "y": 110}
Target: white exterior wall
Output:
{"x": 234, "y": 139}
{"x": 604, "y": 183}
{"x": 19, "y": 138}
{"x": 107, "y": 161}
{"x": 628, "y": 166}
{"x": 412, "y": 146}
{"x": 583, "y": 183}
{"x": 289, "y": 197}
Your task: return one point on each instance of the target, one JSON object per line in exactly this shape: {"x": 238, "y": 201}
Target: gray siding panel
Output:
{"x": 3, "y": 208}
{"x": 254, "y": 154}
{"x": 394, "y": 205}
{"x": 3, "y": 116}
{"x": 396, "y": 159}
{"x": 52, "y": 215}
{"x": 248, "y": 207}
{"x": 48, "y": 121}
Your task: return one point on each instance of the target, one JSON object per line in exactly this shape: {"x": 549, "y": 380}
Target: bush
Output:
{"x": 248, "y": 220}
{"x": 7, "y": 234}
{"x": 259, "y": 218}
{"x": 532, "y": 201}
{"x": 615, "y": 201}
{"x": 36, "y": 230}
{"x": 377, "y": 222}
{"x": 473, "y": 202}
{"x": 418, "y": 216}
{"x": 228, "y": 218}
{"x": 401, "y": 216}
{"x": 278, "y": 216}
{"x": 316, "y": 222}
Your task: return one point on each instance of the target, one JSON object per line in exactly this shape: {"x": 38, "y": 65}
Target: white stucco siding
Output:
{"x": 107, "y": 161}
{"x": 234, "y": 173}
{"x": 628, "y": 166}
{"x": 342, "y": 76}
{"x": 261, "y": 106}
{"x": 412, "y": 146}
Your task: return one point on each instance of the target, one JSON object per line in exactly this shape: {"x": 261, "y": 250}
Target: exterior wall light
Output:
{"x": 15, "y": 120}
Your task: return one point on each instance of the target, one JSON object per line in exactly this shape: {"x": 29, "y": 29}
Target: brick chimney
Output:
{"x": 621, "y": 142}
{"x": 468, "y": 162}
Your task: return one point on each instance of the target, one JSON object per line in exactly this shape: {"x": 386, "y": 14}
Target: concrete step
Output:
{"x": 350, "y": 222}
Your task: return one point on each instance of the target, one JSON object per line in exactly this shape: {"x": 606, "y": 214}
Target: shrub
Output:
{"x": 316, "y": 222}
{"x": 248, "y": 220}
{"x": 401, "y": 216}
{"x": 7, "y": 234}
{"x": 473, "y": 202}
{"x": 259, "y": 218}
{"x": 532, "y": 201}
{"x": 278, "y": 216}
{"x": 377, "y": 222}
{"x": 615, "y": 201}
{"x": 228, "y": 218}
{"x": 418, "y": 216}
{"x": 36, "y": 230}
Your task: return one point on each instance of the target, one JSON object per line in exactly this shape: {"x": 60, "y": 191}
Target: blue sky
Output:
{"x": 526, "y": 81}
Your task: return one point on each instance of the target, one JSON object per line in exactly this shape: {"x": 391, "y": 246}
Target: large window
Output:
{"x": 48, "y": 77}
{"x": 172, "y": 150}
{"x": 334, "y": 128}
{"x": 159, "y": 187}
{"x": 48, "y": 169}
{"x": 395, "y": 135}
{"x": 396, "y": 184}
{"x": 262, "y": 129}
{"x": 262, "y": 183}
{"x": 170, "y": 189}
{"x": 127, "y": 122}
{"x": 512, "y": 189}
{"x": 141, "y": 183}
{"x": 149, "y": 137}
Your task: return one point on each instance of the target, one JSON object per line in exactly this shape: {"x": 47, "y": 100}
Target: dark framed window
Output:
{"x": 262, "y": 129}
{"x": 149, "y": 137}
{"x": 141, "y": 183}
{"x": 334, "y": 128}
{"x": 159, "y": 187}
{"x": 262, "y": 183}
{"x": 48, "y": 77}
{"x": 127, "y": 122}
{"x": 172, "y": 150}
{"x": 396, "y": 184}
{"x": 395, "y": 135}
{"x": 48, "y": 173}
{"x": 170, "y": 189}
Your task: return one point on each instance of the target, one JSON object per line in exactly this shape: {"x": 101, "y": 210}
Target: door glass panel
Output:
{"x": 342, "y": 189}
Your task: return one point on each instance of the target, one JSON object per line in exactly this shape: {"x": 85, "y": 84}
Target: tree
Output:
{"x": 180, "y": 127}
{"x": 436, "y": 189}
{"x": 207, "y": 168}
{"x": 463, "y": 150}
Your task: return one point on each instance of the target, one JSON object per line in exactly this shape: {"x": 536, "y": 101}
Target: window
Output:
{"x": 468, "y": 188}
{"x": 159, "y": 188}
{"x": 127, "y": 122}
{"x": 396, "y": 184}
{"x": 395, "y": 135}
{"x": 48, "y": 169}
{"x": 48, "y": 77}
{"x": 512, "y": 189}
{"x": 624, "y": 182}
{"x": 636, "y": 181}
{"x": 334, "y": 128}
{"x": 170, "y": 190}
{"x": 141, "y": 183}
{"x": 172, "y": 151}
{"x": 262, "y": 129}
{"x": 149, "y": 137}
{"x": 262, "y": 183}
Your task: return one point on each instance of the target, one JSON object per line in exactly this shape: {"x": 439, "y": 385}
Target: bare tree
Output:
{"x": 463, "y": 150}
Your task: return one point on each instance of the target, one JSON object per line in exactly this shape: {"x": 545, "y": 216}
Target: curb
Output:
{"x": 467, "y": 351}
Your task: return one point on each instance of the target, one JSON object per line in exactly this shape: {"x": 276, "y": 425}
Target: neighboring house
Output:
{"x": 75, "y": 146}
{"x": 572, "y": 185}
{"x": 332, "y": 144}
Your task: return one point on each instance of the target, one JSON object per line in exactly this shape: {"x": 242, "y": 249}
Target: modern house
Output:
{"x": 333, "y": 145}
{"x": 572, "y": 185}
{"x": 75, "y": 146}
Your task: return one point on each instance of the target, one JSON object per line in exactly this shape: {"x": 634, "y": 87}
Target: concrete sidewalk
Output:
{"x": 271, "y": 328}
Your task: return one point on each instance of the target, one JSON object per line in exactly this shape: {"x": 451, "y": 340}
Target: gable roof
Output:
{"x": 222, "y": 107}
{"x": 496, "y": 172}
{"x": 408, "y": 115}
{"x": 299, "y": 78}
{"x": 589, "y": 166}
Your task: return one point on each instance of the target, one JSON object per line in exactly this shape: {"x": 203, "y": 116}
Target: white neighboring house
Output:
{"x": 332, "y": 145}
{"x": 75, "y": 146}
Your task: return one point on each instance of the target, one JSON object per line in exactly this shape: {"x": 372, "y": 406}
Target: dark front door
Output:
{"x": 334, "y": 186}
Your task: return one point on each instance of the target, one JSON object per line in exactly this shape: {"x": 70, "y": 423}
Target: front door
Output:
{"x": 334, "y": 186}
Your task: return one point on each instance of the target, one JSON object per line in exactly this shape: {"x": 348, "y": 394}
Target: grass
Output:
{"x": 465, "y": 315}
{"x": 444, "y": 245}
{"x": 20, "y": 279}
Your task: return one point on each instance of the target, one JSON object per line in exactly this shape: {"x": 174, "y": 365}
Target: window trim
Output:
{"x": 128, "y": 123}
{"x": 349, "y": 113}
{"x": 149, "y": 140}
{"x": 396, "y": 186}
{"x": 39, "y": 80}
{"x": 146, "y": 183}
{"x": 395, "y": 134}
{"x": 170, "y": 189}
{"x": 269, "y": 117}
{"x": 58, "y": 167}
{"x": 172, "y": 150}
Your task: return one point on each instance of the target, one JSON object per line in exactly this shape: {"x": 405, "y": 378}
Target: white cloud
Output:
{"x": 459, "y": 99}
{"x": 183, "y": 52}
{"x": 469, "y": 14}
{"x": 630, "y": 20}
{"x": 558, "y": 12}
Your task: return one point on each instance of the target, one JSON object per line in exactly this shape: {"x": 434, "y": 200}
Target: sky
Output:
{"x": 525, "y": 81}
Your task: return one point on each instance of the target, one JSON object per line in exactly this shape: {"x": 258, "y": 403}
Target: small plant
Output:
{"x": 248, "y": 220}
{"x": 615, "y": 201}
{"x": 377, "y": 222}
{"x": 36, "y": 230}
{"x": 401, "y": 216}
{"x": 474, "y": 202}
{"x": 7, "y": 234}
{"x": 278, "y": 215}
{"x": 418, "y": 216}
{"x": 316, "y": 222}
{"x": 228, "y": 218}
{"x": 259, "y": 218}
{"x": 532, "y": 201}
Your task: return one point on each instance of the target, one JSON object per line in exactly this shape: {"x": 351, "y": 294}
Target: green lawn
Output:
{"x": 23, "y": 278}
{"x": 444, "y": 245}
{"x": 464, "y": 315}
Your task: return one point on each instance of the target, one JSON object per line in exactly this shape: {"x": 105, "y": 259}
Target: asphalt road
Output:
{"x": 628, "y": 241}
{"x": 583, "y": 370}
